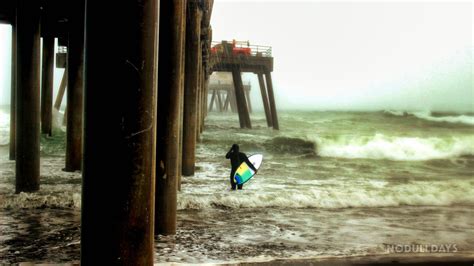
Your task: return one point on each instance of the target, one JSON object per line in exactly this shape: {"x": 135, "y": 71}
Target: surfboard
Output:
{"x": 244, "y": 172}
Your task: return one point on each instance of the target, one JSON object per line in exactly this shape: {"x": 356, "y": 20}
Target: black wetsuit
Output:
{"x": 236, "y": 158}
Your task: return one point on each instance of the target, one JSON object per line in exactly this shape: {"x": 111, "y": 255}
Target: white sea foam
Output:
{"x": 427, "y": 115}
{"x": 461, "y": 119}
{"x": 42, "y": 200}
{"x": 441, "y": 193}
{"x": 420, "y": 193}
{"x": 381, "y": 146}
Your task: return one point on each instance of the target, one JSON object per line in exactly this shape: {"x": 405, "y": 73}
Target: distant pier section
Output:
{"x": 237, "y": 57}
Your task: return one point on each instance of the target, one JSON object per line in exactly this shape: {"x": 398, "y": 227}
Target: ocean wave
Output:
{"x": 291, "y": 145}
{"x": 380, "y": 146}
{"x": 372, "y": 195}
{"x": 428, "y": 116}
{"x": 64, "y": 200}
{"x": 461, "y": 119}
{"x": 413, "y": 194}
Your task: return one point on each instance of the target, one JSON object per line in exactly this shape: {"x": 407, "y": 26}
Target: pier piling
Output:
{"x": 193, "y": 48}
{"x": 271, "y": 99}
{"x": 266, "y": 106}
{"x": 47, "y": 84}
{"x": 249, "y": 102}
{"x": 118, "y": 198}
{"x": 75, "y": 63}
{"x": 170, "y": 91}
{"x": 28, "y": 97}
{"x": 12, "y": 145}
{"x": 61, "y": 91}
{"x": 244, "y": 116}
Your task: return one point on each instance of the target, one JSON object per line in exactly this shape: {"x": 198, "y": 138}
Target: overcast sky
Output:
{"x": 348, "y": 55}
{"x": 360, "y": 55}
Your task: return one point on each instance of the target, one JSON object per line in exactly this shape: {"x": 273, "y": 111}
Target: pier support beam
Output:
{"x": 219, "y": 102}
{"x": 75, "y": 63}
{"x": 28, "y": 97}
{"x": 249, "y": 103}
{"x": 266, "y": 106}
{"x": 118, "y": 198}
{"x": 271, "y": 99}
{"x": 47, "y": 85}
{"x": 227, "y": 101}
{"x": 12, "y": 153}
{"x": 61, "y": 91}
{"x": 213, "y": 98}
{"x": 170, "y": 91}
{"x": 193, "y": 48}
{"x": 199, "y": 97}
{"x": 244, "y": 116}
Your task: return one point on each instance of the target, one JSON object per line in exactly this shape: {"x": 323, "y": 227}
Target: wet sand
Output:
{"x": 404, "y": 259}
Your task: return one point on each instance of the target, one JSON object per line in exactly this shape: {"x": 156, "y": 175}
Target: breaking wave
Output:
{"x": 377, "y": 146}
{"x": 373, "y": 194}
{"x": 290, "y": 145}
{"x": 395, "y": 148}
{"x": 428, "y": 116}
{"x": 378, "y": 195}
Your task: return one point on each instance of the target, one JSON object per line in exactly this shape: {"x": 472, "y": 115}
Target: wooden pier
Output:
{"x": 223, "y": 97}
{"x": 233, "y": 57}
{"x": 137, "y": 79}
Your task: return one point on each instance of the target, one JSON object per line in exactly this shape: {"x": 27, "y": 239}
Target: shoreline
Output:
{"x": 391, "y": 259}
{"x": 452, "y": 259}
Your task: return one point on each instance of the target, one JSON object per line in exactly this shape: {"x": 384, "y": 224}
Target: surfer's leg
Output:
{"x": 240, "y": 186}
{"x": 232, "y": 183}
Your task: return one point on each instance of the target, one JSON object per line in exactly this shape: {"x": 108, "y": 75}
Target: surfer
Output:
{"x": 236, "y": 158}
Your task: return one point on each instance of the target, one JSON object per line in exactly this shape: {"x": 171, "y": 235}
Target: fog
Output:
{"x": 359, "y": 56}
{"x": 5, "y": 65}
{"x": 347, "y": 55}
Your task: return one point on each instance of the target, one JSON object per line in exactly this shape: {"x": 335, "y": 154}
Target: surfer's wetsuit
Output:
{"x": 236, "y": 158}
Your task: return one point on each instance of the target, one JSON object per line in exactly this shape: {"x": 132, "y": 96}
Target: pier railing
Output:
{"x": 255, "y": 50}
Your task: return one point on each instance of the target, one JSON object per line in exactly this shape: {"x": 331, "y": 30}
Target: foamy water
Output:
{"x": 426, "y": 115}
{"x": 380, "y": 146}
{"x": 331, "y": 184}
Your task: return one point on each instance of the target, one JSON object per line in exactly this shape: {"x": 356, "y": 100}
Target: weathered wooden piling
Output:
{"x": 12, "y": 146}
{"x": 271, "y": 99}
{"x": 75, "y": 66}
{"x": 266, "y": 106}
{"x": 170, "y": 91}
{"x": 199, "y": 98}
{"x": 47, "y": 84}
{"x": 244, "y": 116}
{"x": 61, "y": 91}
{"x": 193, "y": 48}
{"x": 118, "y": 197}
{"x": 28, "y": 97}
{"x": 181, "y": 108}
{"x": 203, "y": 99}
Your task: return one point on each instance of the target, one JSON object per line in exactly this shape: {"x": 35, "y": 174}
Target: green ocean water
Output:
{"x": 331, "y": 184}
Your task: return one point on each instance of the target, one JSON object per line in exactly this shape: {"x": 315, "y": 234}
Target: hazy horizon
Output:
{"x": 361, "y": 56}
